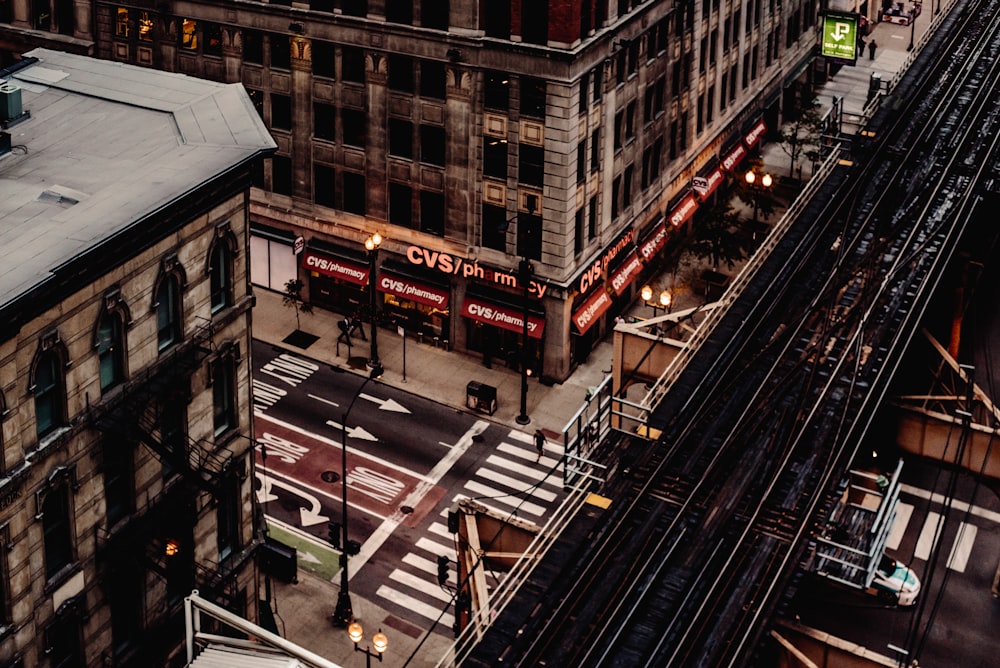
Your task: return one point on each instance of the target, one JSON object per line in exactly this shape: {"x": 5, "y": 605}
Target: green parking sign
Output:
{"x": 840, "y": 36}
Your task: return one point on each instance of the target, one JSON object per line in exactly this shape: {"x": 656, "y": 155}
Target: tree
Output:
{"x": 801, "y": 129}
{"x": 717, "y": 236}
{"x": 293, "y": 298}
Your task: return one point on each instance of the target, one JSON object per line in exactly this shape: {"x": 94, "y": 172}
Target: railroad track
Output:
{"x": 708, "y": 531}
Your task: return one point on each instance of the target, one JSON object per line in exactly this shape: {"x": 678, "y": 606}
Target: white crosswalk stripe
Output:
{"x": 510, "y": 482}
{"x": 960, "y": 551}
{"x": 929, "y": 535}
{"x": 903, "y": 513}
{"x": 925, "y": 543}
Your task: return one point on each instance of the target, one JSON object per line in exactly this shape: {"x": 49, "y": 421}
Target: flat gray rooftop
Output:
{"x": 107, "y": 144}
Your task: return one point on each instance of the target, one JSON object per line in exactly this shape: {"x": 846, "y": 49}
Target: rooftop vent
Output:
{"x": 11, "y": 110}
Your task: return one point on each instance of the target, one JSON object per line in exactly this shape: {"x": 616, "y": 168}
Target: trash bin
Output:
{"x": 279, "y": 560}
{"x": 874, "y": 86}
{"x": 481, "y": 397}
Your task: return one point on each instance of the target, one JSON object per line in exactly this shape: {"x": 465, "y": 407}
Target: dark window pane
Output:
{"x": 352, "y": 65}
{"x": 495, "y": 157}
{"x": 221, "y": 270}
{"x": 494, "y": 227}
{"x": 168, "y": 330}
{"x": 432, "y": 145}
{"x": 495, "y": 19}
{"x": 281, "y": 112}
{"x": 48, "y": 393}
{"x": 354, "y": 127}
{"x": 432, "y": 79}
{"x": 324, "y": 60}
{"x": 535, "y": 22}
{"x": 323, "y": 185}
{"x": 529, "y": 236}
{"x": 531, "y": 165}
{"x": 355, "y": 7}
{"x": 228, "y": 516}
{"x": 354, "y": 193}
{"x": 56, "y": 531}
{"x": 400, "y": 138}
{"x": 281, "y": 52}
{"x": 400, "y": 73}
{"x": 110, "y": 351}
{"x": 400, "y": 205}
{"x": 399, "y": 11}
{"x": 281, "y": 175}
{"x": 223, "y": 396}
{"x": 118, "y": 495}
{"x": 213, "y": 39}
{"x": 532, "y": 97}
{"x": 253, "y": 47}
{"x": 496, "y": 91}
{"x": 324, "y": 121}
{"x": 434, "y": 14}
{"x": 432, "y": 212}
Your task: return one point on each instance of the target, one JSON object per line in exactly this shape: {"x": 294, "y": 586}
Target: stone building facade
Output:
{"x": 580, "y": 135}
{"x": 127, "y": 470}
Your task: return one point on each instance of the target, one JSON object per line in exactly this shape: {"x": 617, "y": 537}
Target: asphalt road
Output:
{"x": 408, "y": 459}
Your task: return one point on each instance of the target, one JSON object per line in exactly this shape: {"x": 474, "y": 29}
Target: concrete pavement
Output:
{"x": 304, "y": 609}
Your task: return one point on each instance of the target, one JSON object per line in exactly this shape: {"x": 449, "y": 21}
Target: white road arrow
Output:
{"x": 264, "y": 493}
{"x": 354, "y": 432}
{"x": 307, "y": 516}
{"x": 308, "y": 557}
{"x": 385, "y": 404}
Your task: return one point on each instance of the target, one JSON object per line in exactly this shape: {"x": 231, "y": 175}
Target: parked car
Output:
{"x": 895, "y": 583}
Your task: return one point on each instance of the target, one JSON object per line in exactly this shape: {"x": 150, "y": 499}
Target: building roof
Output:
{"x": 107, "y": 145}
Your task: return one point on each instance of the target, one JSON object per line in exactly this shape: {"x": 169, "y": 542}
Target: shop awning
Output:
{"x": 755, "y": 134}
{"x": 734, "y": 157}
{"x": 706, "y": 185}
{"x": 684, "y": 210}
{"x": 592, "y": 309}
{"x": 626, "y": 272}
{"x": 490, "y": 313}
{"x": 335, "y": 267}
{"x": 407, "y": 288}
{"x": 653, "y": 242}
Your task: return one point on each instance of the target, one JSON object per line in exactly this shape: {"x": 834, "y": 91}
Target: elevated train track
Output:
{"x": 706, "y": 533}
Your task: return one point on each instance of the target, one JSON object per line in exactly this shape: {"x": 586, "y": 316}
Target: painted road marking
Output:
{"x": 416, "y": 606}
{"x": 423, "y": 586}
{"x": 959, "y": 557}
{"x": 928, "y": 533}
{"x": 518, "y": 486}
{"x": 903, "y": 513}
{"x": 503, "y": 498}
{"x": 532, "y": 472}
{"x": 960, "y": 506}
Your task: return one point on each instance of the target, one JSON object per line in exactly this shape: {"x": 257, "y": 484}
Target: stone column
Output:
{"x": 302, "y": 117}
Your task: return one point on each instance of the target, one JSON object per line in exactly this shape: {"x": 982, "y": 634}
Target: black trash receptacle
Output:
{"x": 279, "y": 560}
{"x": 481, "y": 397}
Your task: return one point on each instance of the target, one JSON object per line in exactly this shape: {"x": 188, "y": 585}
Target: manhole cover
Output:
{"x": 406, "y": 510}
{"x": 329, "y": 476}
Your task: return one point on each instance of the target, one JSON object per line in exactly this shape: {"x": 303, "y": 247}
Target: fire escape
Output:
{"x": 157, "y": 535}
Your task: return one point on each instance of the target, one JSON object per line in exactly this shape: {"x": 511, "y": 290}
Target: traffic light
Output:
{"x": 333, "y": 533}
{"x": 442, "y": 569}
{"x": 353, "y": 547}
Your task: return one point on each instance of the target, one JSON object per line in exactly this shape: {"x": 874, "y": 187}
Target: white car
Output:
{"x": 895, "y": 583}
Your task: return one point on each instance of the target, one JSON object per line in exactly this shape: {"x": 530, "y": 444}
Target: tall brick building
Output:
{"x": 126, "y": 468}
{"x": 579, "y": 134}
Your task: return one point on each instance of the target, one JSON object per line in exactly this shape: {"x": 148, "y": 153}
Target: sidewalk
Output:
{"x": 304, "y": 610}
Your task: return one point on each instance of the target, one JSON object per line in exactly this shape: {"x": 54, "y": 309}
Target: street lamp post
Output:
{"x": 913, "y": 26}
{"x": 379, "y": 643}
{"x": 524, "y": 273}
{"x": 371, "y": 245}
{"x": 666, "y": 299}
{"x": 756, "y": 189}
{"x": 343, "y": 614}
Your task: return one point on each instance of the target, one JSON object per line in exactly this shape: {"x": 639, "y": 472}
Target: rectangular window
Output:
{"x": 228, "y": 517}
{"x": 57, "y": 531}
{"x": 581, "y": 161}
{"x": 400, "y": 205}
{"x": 582, "y": 102}
{"x": 119, "y": 496}
{"x": 495, "y": 157}
{"x": 627, "y": 187}
{"x": 253, "y": 47}
{"x": 352, "y": 64}
{"x": 496, "y": 91}
{"x": 616, "y": 190}
{"x": 355, "y": 8}
{"x": 400, "y": 73}
{"x": 592, "y": 219}
{"x": 432, "y": 79}
{"x": 324, "y": 60}
{"x": 281, "y": 112}
{"x": 432, "y": 212}
{"x": 354, "y": 193}
{"x": 598, "y": 81}
{"x": 595, "y": 150}
{"x": 323, "y": 185}
{"x": 224, "y": 395}
{"x": 400, "y": 138}
{"x": 399, "y": 11}
{"x": 532, "y": 97}
{"x": 281, "y": 52}
{"x": 145, "y": 27}
{"x": 434, "y": 15}
{"x": 324, "y": 121}
{"x": 432, "y": 148}
{"x": 281, "y": 175}
{"x": 619, "y": 126}
{"x": 121, "y": 22}
{"x": 354, "y": 127}
{"x": 213, "y": 39}
{"x": 529, "y": 236}
{"x": 189, "y": 34}
{"x": 578, "y": 233}
{"x": 62, "y": 643}
{"x": 531, "y": 165}
{"x": 630, "y": 121}
{"x": 494, "y": 227}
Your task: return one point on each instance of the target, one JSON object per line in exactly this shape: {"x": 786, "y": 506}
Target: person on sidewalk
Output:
{"x": 539, "y": 444}
{"x": 861, "y": 47}
{"x": 356, "y": 325}
{"x": 345, "y": 333}
{"x": 872, "y": 45}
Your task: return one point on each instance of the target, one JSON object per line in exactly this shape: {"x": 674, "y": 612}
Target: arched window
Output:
{"x": 168, "y": 312}
{"x": 221, "y": 271}
{"x": 47, "y": 385}
{"x": 111, "y": 350}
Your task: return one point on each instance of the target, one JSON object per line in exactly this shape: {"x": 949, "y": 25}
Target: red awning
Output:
{"x": 625, "y": 273}
{"x": 706, "y": 185}
{"x": 407, "y": 288}
{"x": 734, "y": 157}
{"x": 755, "y": 133}
{"x": 334, "y": 267}
{"x": 504, "y": 317}
{"x": 653, "y": 242}
{"x": 684, "y": 210}
{"x": 591, "y": 310}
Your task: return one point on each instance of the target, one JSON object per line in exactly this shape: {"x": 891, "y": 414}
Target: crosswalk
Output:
{"x": 511, "y": 483}
{"x": 905, "y": 540}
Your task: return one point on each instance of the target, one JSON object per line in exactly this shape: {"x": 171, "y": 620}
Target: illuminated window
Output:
{"x": 121, "y": 23}
{"x": 189, "y": 34}
{"x": 145, "y": 27}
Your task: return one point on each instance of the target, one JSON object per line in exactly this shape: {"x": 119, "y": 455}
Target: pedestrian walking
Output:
{"x": 861, "y": 47}
{"x": 345, "y": 332}
{"x": 356, "y": 326}
{"x": 872, "y": 45}
{"x": 539, "y": 443}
